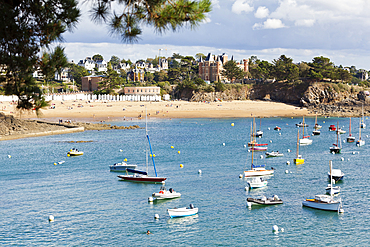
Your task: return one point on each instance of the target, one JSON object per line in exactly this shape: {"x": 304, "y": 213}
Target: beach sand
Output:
{"x": 106, "y": 110}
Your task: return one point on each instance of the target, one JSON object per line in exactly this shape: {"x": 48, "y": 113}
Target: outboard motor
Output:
{"x": 191, "y": 206}
{"x": 171, "y": 190}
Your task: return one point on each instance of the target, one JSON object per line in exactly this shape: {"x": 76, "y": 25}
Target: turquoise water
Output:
{"x": 92, "y": 207}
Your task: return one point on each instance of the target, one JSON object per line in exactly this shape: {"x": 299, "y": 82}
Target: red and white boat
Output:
{"x": 332, "y": 127}
{"x": 258, "y": 147}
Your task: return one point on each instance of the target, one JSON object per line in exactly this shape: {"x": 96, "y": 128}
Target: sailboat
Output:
{"x": 324, "y": 202}
{"x": 363, "y": 125}
{"x": 305, "y": 139}
{"x": 140, "y": 176}
{"x": 257, "y": 170}
{"x": 259, "y": 132}
{"x": 336, "y": 148}
{"x": 350, "y": 138}
{"x": 298, "y": 160}
{"x": 360, "y": 142}
{"x": 316, "y": 128}
{"x": 253, "y": 143}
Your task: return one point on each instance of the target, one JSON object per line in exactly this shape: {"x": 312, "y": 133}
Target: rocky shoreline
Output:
{"x": 14, "y": 128}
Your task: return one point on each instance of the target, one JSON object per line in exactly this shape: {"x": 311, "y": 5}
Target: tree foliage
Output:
{"x": 26, "y": 27}
{"x": 285, "y": 69}
{"x": 162, "y": 15}
{"x": 231, "y": 71}
{"x": 97, "y": 57}
{"x": 76, "y": 72}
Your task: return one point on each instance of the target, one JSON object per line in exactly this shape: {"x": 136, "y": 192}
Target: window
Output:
{"x": 145, "y": 90}
{"x": 128, "y": 90}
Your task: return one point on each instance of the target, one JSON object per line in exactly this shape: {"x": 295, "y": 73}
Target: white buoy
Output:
{"x": 291, "y": 172}
{"x": 150, "y": 199}
{"x": 288, "y": 162}
{"x": 223, "y": 144}
{"x": 246, "y": 188}
{"x": 286, "y": 171}
{"x": 367, "y": 136}
{"x": 342, "y": 159}
{"x": 240, "y": 175}
{"x": 275, "y": 228}
{"x": 200, "y": 171}
{"x": 341, "y": 210}
{"x": 344, "y": 141}
{"x": 51, "y": 218}
{"x": 348, "y": 159}
{"x": 282, "y": 229}
{"x": 270, "y": 141}
{"x": 9, "y": 156}
{"x": 249, "y": 150}
{"x": 249, "y": 204}
{"x": 121, "y": 150}
{"x": 245, "y": 145}
{"x": 268, "y": 128}
{"x": 288, "y": 150}
{"x": 280, "y": 134}
{"x": 354, "y": 152}
{"x": 261, "y": 156}
{"x": 358, "y": 152}
{"x": 156, "y": 216}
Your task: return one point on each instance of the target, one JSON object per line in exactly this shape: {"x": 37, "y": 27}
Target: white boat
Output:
{"x": 182, "y": 212}
{"x": 336, "y": 148}
{"x": 350, "y": 138}
{"x": 317, "y": 126}
{"x": 341, "y": 131}
{"x": 121, "y": 167}
{"x": 335, "y": 174}
{"x": 330, "y": 189}
{"x": 258, "y": 182}
{"x": 165, "y": 194}
{"x": 360, "y": 142}
{"x": 324, "y": 202}
{"x": 316, "y": 132}
{"x": 274, "y": 154}
{"x": 264, "y": 201}
{"x": 305, "y": 139}
{"x": 74, "y": 152}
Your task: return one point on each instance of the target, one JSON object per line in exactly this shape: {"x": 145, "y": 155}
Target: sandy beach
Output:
{"x": 106, "y": 110}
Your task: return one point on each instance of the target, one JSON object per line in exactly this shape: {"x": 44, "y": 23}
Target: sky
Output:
{"x": 300, "y": 29}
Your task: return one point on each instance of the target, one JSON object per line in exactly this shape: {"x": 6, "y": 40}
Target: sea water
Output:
{"x": 91, "y": 206}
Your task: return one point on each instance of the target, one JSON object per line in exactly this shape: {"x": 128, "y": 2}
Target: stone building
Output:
{"x": 90, "y": 83}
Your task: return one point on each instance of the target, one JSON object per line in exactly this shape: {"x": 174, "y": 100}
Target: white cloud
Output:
{"x": 262, "y": 12}
{"x": 215, "y": 4}
{"x": 269, "y": 24}
{"x": 241, "y": 5}
{"x": 305, "y": 22}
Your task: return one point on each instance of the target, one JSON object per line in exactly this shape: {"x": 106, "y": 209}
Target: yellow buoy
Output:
{"x": 181, "y": 166}
{"x": 232, "y": 124}
{"x": 153, "y": 155}
{"x": 68, "y": 155}
{"x": 178, "y": 151}
{"x": 150, "y": 155}
{"x": 171, "y": 146}
{"x": 125, "y": 160}
{"x": 55, "y": 164}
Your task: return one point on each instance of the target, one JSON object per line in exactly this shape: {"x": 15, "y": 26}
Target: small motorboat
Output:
{"x": 277, "y": 128}
{"x": 317, "y": 126}
{"x": 301, "y": 124}
{"x": 332, "y": 190}
{"x": 336, "y": 174}
{"x": 121, "y": 167}
{"x": 74, "y": 152}
{"x": 332, "y": 127}
{"x": 274, "y": 154}
{"x": 165, "y": 194}
{"x": 264, "y": 201}
{"x": 182, "y": 212}
{"x": 257, "y": 182}
{"x": 340, "y": 131}
{"x": 316, "y": 132}
{"x": 258, "y": 134}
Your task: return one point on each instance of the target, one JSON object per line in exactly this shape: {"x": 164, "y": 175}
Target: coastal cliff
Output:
{"x": 321, "y": 98}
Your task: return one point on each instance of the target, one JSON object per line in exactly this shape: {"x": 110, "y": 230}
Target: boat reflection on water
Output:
{"x": 183, "y": 220}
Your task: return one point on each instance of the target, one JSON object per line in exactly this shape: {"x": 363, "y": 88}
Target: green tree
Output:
{"x": 231, "y": 71}
{"x": 97, "y": 57}
{"x": 219, "y": 86}
{"x": 285, "y": 69}
{"x": 200, "y": 55}
{"x": 114, "y": 61}
{"x": 324, "y": 66}
{"x": 160, "y": 76}
{"x": 26, "y": 27}
{"x": 77, "y": 72}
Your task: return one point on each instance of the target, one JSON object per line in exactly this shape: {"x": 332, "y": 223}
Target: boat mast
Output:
{"x": 350, "y": 126}
{"x": 298, "y": 144}
{"x": 331, "y": 180}
{"x": 252, "y": 146}
{"x": 360, "y": 132}
{"x": 303, "y": 128}
{"x": 337, "y": 134}
{"x": 150, "y": 146}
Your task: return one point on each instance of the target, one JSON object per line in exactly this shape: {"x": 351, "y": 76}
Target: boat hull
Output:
{"x": 311, "y": 203}
{"x": 256, "y": 173}
{"x": 165, "y": 196}
{"x": 298, "y": 161}
{"x": 316, "y": 132}
{"x": 360, "y": 143}
{"x": 182, "y": 212}
{"x": 335, "y": 150}
{"x": 305, "y": 142}
{"x": 264, "y": 202}
{"x": 351, "y": 139}
{"x": 142, "y": 179}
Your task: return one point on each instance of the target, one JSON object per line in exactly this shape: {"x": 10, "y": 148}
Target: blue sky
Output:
{"x": 300, "y": 29}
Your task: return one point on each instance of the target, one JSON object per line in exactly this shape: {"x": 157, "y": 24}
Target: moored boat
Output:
{"x": 273, "y": 154}
{"x": 330, "y": 189}
{"x": 264, "y": 201}
{"x": 332, "y": 127}
{"x": 257, "y": 182}
{"x": 74, "y": 152}
{"x": 298, "y": 160}
{"x": 165, "y": 194}
{"x": 360, "y": 142}
{"x": 277, "y": 128}
{"x": 350, "y": 138}
{"x": 335, "y": 174}
{"x": 336, "y": 148}
{"x": 121, "y": 167}
{"x": 182, "y": 212}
